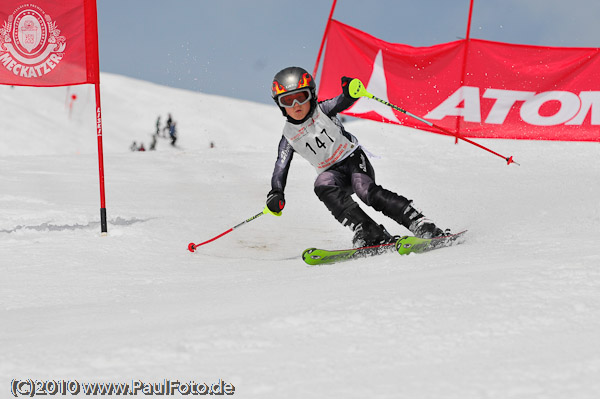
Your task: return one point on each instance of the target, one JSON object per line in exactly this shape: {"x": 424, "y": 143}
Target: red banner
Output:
{"x": 48, "y": 42}
{"x": 508, "y": 91}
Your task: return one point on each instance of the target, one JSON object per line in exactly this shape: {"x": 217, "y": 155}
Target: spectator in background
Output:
{"x": 168, "y": 125}
{"x": 153, "y": 143}
{"x": 173, "y": 133}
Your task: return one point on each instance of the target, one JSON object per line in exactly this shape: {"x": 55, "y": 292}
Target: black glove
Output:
{"x": 346, "y": 86}
{"x": 275, "y": 200}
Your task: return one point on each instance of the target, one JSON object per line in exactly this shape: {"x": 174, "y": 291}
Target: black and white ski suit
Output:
{"x": 342, "y": 166}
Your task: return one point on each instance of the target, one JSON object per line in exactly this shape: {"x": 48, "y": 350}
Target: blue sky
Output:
{"x": 234, "y": 47}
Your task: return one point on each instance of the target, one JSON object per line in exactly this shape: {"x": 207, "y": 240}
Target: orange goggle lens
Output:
{"x": 300, "y": 96}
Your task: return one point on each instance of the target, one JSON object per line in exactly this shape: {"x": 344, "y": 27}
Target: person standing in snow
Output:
{"x": 153, "y": 142}
{"x": 168, "y": 125}
{"x": 173, "y": 133}
{"x": 313, "y": 130}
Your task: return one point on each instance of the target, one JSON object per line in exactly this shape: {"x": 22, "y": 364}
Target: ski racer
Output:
{"x": 314, "y": 132}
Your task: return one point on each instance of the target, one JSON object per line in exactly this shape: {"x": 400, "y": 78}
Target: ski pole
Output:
{"x": 357, "y": 89}
{"x": 192, "y": 247}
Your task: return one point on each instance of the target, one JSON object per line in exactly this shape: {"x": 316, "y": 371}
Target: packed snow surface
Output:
{"x": 514, "y": 312}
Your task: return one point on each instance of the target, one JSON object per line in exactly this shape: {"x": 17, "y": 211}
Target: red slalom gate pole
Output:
{"x": 323, "y": 40}
{"x": 103, "y": 223}
{"x": 464, "y": 65}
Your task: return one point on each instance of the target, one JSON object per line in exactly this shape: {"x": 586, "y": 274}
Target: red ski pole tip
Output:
{"x": 192, "y": 247}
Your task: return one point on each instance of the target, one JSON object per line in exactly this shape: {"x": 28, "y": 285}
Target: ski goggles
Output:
{"x": 300, "y": 96}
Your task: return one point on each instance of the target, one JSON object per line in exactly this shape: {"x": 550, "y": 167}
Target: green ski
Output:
{"x": 316, "y": 256}
{"x": 404, "y": 245}
{"x": 408, "y": 244}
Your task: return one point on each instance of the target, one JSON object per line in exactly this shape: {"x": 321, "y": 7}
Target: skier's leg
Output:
{"x": 332, "y": 189}
{"x": 392, "y": 205}
{"x": 402, "y": 211}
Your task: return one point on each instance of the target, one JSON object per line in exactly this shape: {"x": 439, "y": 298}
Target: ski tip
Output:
{"x": 192, "y": 247}
{"x": 310, "y": 259}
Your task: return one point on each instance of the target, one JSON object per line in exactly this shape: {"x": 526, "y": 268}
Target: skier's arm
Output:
{"x": 275, "y": 198}
{"x": 340, "y": 103}
{"x": 282, "y": 165}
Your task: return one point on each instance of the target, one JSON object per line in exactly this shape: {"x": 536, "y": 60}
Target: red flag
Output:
{"x": 53, "y": 43}
{"x": 509, "y": 91}
{"x": 48, "y": 42}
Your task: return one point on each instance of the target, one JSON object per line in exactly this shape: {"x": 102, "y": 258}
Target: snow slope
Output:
{"x": 512, "y": 313}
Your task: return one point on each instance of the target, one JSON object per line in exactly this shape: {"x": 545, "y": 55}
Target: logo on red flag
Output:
{"x": 508, "y": 91}
{"x": 30, "y": 42}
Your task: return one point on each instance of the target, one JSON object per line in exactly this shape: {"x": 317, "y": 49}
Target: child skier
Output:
{"x": 314, "y": 131}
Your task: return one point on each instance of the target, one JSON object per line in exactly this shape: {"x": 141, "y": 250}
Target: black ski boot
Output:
{"x": 371, "y": 234}
{"x": 366, "y": 231}
{"x": 425, "y": 228}
{"x": 401, "y": 210}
